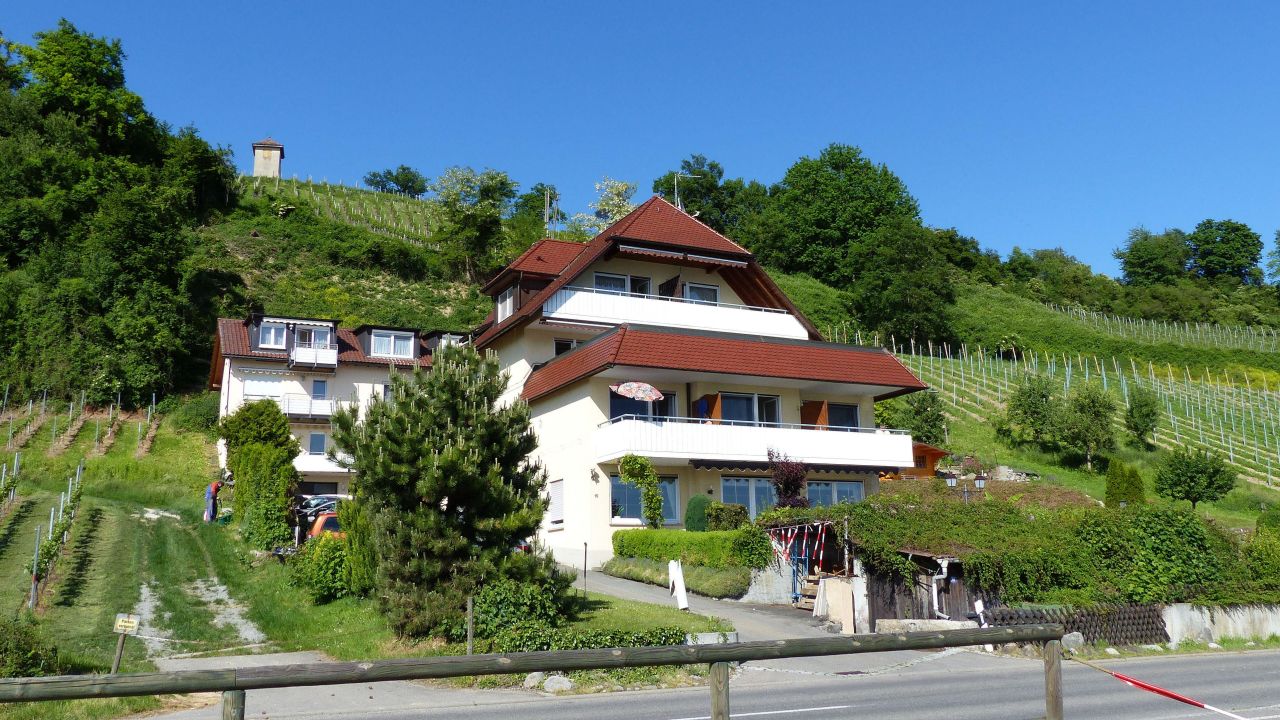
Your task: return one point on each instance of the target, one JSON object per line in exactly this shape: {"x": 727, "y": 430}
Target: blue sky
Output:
{"x": 1030, "y": 124}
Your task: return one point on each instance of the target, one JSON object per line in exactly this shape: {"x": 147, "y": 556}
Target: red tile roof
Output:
{"x": 656, "y": 222}
{"x": 233, "y": 341}
{"x": 546, "y": 257}
{"x": 643, "y": 346}
{"x": 659, "y": 222}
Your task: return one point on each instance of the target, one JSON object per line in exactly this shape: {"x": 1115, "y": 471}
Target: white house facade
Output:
{"x": 311, "y": 368}
{"x": 661, "y": 299}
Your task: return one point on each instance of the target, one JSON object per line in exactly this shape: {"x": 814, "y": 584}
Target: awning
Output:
{"x": 755, "y": 466}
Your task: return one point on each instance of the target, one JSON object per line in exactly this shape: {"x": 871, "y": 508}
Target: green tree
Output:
{"x": 473, "y": 205}
{"x": 402, "y": 180}
{"x": 265, "y": 482}
{"x": 1194, "y": 475}
{"x": 1033, "y": 410}
{"x": 723, "y": 205}
{"x": 920, "y": 413}
{"x": 528, "y": 222}
{"x": 638, "y": 471}
{"x": 901, "y": 287}
{"x": 1142, "y": 416}
{"x": 444, "y": 479}
{"x": 1154, "y": 259}
{"x": 824, "y": 208}
{"x": 257, "y": 423}
{"x": 1226, "y": 248}
{"x": 1124, "y": 485}
{"x": 1085, "y": 427}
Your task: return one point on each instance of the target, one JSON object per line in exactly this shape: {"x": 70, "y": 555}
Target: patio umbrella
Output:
{"x": 637, "y": 390}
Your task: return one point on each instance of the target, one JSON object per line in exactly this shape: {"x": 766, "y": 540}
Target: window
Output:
{"x": 756, "y": 494}
{"x": 563, "y": 346}
{"x": 833, "y": 492}
{"x": 702, "y": 293}
{"x": 392, "y": 344}
{"x": 319, "y": 389}
{"x": 625, "y": 499}
{"x": 920, "y": 462}
{"x": 262, "y": 387}
{"x": 634, "y": 284}
{"x": 749, "y": 408}
{"x": 313, "y": 337}
{"x": 842, "y": 416}
{"x": 316, "y": 443}
{"x": 271, "y": 335}
{"x": 386, "y": 392}
{"x": 318, "y": 488}
{"x": 666, "y": 407}
{"x": 506, "y": 303}
{"x": 555, "y": 506}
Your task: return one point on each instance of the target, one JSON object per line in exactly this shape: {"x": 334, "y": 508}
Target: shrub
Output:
{"x": 1269, "y": 519}
{"x": 730, "y": 582}
{"x": 199, "y": 414}
{"x": 506, "y": 603}
{"x": 1262, "y": 559}
{"x": 788, "y": 479}
{"x": 264, "y": 481}
{"x": 22, "y": 652}
{"x": 638, "y": 471}
{"x": 716, "y": 549}
{"x": 1124, "y": 485}
{"x": 320, "y": 568}
{"x": 533, "y": 638}
{"x": 362, "y": 556}
{"x": 726, "y": 516}
{"x": 695, "y": 513}
{"x": 259, "y": 422}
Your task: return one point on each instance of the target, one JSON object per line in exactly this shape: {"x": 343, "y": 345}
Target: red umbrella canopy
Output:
{"x": 637, "y": 390}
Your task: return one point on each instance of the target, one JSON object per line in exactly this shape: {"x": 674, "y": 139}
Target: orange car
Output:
{"x": 326, "y": 523}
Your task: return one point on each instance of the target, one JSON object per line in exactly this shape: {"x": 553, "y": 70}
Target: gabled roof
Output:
{"x": 658, "y": 223}
{"x": 268, "y": 142}
{"x": 546, "y": 258}
{"x": 653, "y": 347}
{"x": 232, "y": 340}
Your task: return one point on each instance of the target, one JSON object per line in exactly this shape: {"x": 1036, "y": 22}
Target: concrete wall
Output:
{"x": 266, "y": 162}
{"x": 1195, "y": 623}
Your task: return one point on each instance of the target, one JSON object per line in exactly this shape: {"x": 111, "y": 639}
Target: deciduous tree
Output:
{"x": 900, "y": 285}
{"x": 1085, "y": 427}
{"x": 402, "y": 180}
{"x": 1226, "y": 248}
{"x": 1154, "y": 259}
{"x": 1142, "y": 416}
{"x": 1194, "y": 475}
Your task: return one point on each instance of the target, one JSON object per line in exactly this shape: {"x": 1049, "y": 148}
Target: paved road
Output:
{"x": 958, "y": 685}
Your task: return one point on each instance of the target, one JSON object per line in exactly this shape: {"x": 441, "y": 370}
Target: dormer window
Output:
{"x": 506, "y": 303}
{"x": 313, "y": 337}
{"x": 271, "y": 336}
{"x": 392, "y": 344}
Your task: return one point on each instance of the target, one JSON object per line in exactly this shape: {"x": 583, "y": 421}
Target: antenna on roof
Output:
{"x": 546, "y": 212}
{"x": 676, "y": 179}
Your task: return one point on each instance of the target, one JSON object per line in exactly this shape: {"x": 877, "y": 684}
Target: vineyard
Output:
{"x": 388, "y": 214}
{"x": 1239, "y": 421}
{"x": 1208, "y": 335}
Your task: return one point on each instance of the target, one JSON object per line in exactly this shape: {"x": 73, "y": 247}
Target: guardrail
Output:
{"x": 233, "y": 683}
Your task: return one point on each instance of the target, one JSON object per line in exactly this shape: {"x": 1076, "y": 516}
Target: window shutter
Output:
{"x": 813, "y": 412}
{"x": 555, "y": 509}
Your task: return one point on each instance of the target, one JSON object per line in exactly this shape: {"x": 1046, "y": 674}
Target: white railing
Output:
{"x": 308, "y": 463}
{"x": 613, "y": 307}
{"x": 309, "y": 406}
{"x": 688, "y": 438}
{"x": 314, "y": 353}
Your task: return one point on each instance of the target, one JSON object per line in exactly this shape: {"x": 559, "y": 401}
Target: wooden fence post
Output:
{"x": 233, "y": 705}
{"x": 720, "y": 691}
{"x": 1053, "y": 680}
{"x": 471, "y": 625}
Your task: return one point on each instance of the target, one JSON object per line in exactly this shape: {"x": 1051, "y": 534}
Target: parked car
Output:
{"x": 326, "y": 522}
{"x": 310, "y": 507}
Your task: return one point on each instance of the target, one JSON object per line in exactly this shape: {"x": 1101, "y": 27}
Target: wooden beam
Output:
{"x": 92, "y": 686}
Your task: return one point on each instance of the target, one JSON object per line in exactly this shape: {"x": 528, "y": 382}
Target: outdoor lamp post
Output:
{"x": 980, "y": 481}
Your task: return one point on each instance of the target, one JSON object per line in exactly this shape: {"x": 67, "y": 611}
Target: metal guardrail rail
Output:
{"x": 233, "y": 683}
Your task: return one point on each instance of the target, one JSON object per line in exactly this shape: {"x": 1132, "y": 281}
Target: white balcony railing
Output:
{"x": 688, "y": 438}
{"x": 307, "y": 463}
{"x": 308, "y": 406}
{"x": 612, "y": 307}
{"x": 325, "y": 354}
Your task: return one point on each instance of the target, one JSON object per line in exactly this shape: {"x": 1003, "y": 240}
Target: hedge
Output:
{"x": 535, "y": 638}
{"x": 746, "y": 547}
{"x": 712, "y": 582}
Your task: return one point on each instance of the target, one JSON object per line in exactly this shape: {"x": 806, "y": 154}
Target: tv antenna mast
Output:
{"x": 676, "y": 179}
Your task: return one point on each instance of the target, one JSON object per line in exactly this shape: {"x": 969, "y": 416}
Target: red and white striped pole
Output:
{"x": 1135, "y": 682}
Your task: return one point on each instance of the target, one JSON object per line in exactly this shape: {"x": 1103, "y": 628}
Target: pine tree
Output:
{"x": 443, "y": 480}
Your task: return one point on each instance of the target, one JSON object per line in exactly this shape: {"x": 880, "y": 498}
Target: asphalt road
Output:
{"x": 952, "y": 685}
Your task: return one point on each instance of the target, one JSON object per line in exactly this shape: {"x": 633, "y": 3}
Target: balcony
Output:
{"x": 307, "y": 463}
{"x": 612, "y": 307}
{"x": 305, "y": 406}
{"x": 676, "y": 438}
{"x": 318, "y": 355}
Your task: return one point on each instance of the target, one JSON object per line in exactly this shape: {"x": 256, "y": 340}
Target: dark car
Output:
{"x": 311, "y": 506}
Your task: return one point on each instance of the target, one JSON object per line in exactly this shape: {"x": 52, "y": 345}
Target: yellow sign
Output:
{"x": 127, "y": 624}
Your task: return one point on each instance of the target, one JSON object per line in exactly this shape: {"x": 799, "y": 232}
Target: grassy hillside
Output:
{"x": 312, "y": 261}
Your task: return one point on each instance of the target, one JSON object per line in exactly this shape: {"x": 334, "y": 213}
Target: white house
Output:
{"x": 311, "y": 368}
{"x": 659, "y": 298}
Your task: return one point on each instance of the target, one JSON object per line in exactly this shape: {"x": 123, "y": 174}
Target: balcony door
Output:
{"x": 666, "y": 407}
{"x": 622, "y": 284}
{"x": 314, "y": 337}
{"x": 750, "y": 408}
{"x": 319, "y": 389}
